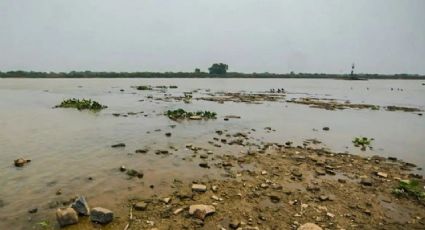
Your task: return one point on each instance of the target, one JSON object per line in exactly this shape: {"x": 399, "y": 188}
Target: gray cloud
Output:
{"x": 380, "y": 36}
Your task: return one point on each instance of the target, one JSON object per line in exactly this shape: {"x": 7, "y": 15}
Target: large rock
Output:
{"x": 66, "y": 216}
{"x": 101, "y": 215}
{"x": 81, "y": 206}
{"x": 200, "y": 211}
{"x": 309, "y": 226}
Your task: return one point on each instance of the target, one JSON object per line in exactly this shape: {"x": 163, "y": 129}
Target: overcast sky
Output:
{"x": 380, "y": 36}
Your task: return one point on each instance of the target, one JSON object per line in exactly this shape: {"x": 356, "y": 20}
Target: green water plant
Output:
{"x": 83, "y": 104}
{"x": 144, "y": 87}
{"x": 410, "y": 188}
{"x": 362, "y": 142}
{"x": 180, "y": 114}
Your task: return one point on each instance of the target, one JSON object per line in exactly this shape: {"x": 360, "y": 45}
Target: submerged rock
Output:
{"x": 21, "y": 162}
{"x": 66, "y": 216}
{"x": 119, "y": 145}
{"x": 101, "y": 215}
{"x": 81, "y": 206}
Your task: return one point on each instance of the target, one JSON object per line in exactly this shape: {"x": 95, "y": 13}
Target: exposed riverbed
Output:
{"x": 68, "y": 146}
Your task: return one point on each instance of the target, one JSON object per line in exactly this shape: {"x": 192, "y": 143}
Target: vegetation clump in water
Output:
{"x": 82, "y": 104}
{"x": 179, "y": 114}
{"x": 144, "y": 87}
{"x": 362, "y": 142}
{"x": 410, "y": 188}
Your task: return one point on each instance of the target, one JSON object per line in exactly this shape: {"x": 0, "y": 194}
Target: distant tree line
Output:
{"x": 217, "y": 70}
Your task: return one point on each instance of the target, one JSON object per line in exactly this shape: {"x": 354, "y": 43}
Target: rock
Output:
{"x": 309, "y": 226}
{"x": 122, "y": 168}
{"x": 141, "y": 150}
{"x": 313, "y": 188}
{"x": 323, "y": 198}
{"x": 21, "y": 162}
{"x": 200, "y": 211}
{"x": 297, "y": 173}
{"x": 66, "y": 216}
{"x": 133, "y": 173}
{"x": 81, "y": 206}
{"x": 203, "y": 156}
{"x": 234, "y": 224}
{"x": 168, "y": 134}
{"x": 199, "y": 188}
{"x": 320, "y": 172}
{"x": 140, "y": 206}
{"x": 264, "y": 172}
{"x": 101, "y": 215}
{"x": 177, "y": 211}
{"x": 118, "y": 145}
{"x": 33, "y": 210}
{"x": 166, "y": 200}
{"x": 274, "y": 198}
{"x": 382, "y": 174}
{"x": 214, "y": 188}
{"x": 326, "y": 128}
{"x": 342, "y": 181}
{"x": 366, "y": 181}
{"x": 204, "y": 165}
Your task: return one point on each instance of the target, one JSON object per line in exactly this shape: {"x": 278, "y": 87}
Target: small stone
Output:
{"x": 133, "y": 173}
{"x": 119, "y": 145}
{"x": 330, "y": 215}
{"x": 326, "y": 128}
{"x": 166, "y": 200}
{"x": 309, "y": 226}
{"x": 21, "y": 162}
{"x": 122, "y": 168}
{"x": 101, "y": 215}
{"x": 342, "y": 181}
{"x": 200, "y": 211}
{"x": 140, "y": 206}
{"x": 366, "y": 181}
{"x": 66, "y": 216}
{"x": 33, "y": 210}
{"x": 264, "y": 185}
{"x": 81, "y": 206}
{"x": 214, "y": 188}
{"x": 274, "y": 198}
{"x": 313, "y": 188}
{"x": 177, "y": 211}
{"x": 199, "y": 188}
{"x": 204, "y": 165}
{"x": 323, "y": 198}
{"x": 320, "y": 172}
{"x": 203, "y": 156}
{"x": 263, "y": 172}
{"x": 234, "y": 224}
{"x": 141, "y": 150}
{"x": 168, "y": 134}
{"x": 382, "y": 174}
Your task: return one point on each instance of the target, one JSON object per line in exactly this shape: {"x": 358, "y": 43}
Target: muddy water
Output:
{"x": 68, "y": 146}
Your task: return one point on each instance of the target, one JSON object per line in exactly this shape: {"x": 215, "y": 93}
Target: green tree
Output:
{"x": 197, "y": 70}
{"x": 218, "y": 68}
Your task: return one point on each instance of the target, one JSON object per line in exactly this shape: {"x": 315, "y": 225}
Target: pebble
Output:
{"x": 309, "y": 226}
{"x": 199, "y": 188}
{"x": 200, "y": 211}
{"x": 119, "y": 145}
{"x": 81, "y": 206}
{"x": 101, "y": 215}
{"x": 33, "y": 210}
{"x": 140, "y": 206}
{"x": 66, "y": 216}
{"x": 382, "y": 174}
{"x": 366, "y": 181}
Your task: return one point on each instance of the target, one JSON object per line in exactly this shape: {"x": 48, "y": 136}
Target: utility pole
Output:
{"x": 352, "y": 69}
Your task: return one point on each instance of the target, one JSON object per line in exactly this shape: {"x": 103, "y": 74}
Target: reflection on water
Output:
{"x": 67, "y": 146}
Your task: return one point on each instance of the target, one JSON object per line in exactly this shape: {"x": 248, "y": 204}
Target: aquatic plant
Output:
{"x": 182, "y": 114}
{"x": 362, "y": 142}
{"x": 143, "y": 87}
{"x": 410, "y": 188}
{"x": 43, "y": 224}
{"x": 81, "y": 104}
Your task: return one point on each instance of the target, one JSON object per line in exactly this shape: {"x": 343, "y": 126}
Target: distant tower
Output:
{"x": 352, "y": 69}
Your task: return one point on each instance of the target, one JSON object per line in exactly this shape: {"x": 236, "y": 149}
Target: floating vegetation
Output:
{"x": 143, "y": 87}
{"x": 331, "y": 104}
{"x": 410, "y": 188}
{"x": 400, "y": 108}
{"x": 363, "y": 142}
{"x": 81, "y": 104}
{"x": 180, "y": 114}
